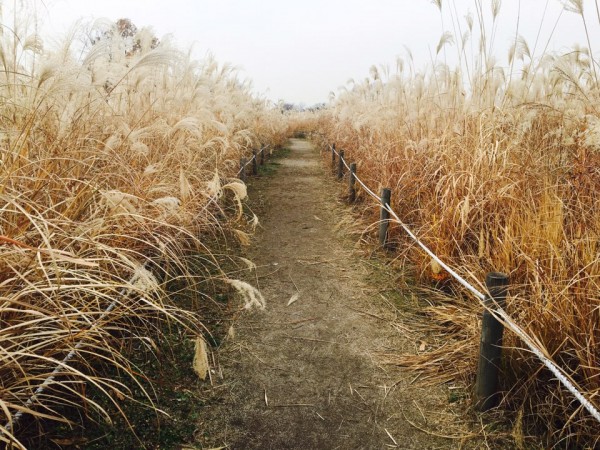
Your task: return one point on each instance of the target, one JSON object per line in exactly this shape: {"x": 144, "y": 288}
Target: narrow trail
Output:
{"x": 302, "y": 376}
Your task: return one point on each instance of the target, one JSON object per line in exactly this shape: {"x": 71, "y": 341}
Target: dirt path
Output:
{"x": 302, "y": 376}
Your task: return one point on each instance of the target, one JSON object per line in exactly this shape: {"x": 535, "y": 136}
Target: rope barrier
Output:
{"x": 251, "y": 159}
{"x": 557, "y": 371}
{"x": 550, "y": 365}
{"x": 246, "y": 165}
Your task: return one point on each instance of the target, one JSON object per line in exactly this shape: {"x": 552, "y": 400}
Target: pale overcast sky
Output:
{"x": 300, "y": 51}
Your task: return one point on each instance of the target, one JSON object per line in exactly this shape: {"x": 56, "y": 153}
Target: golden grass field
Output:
{"x": 496, "y": 170}
{"x": 114, "y": 154}
{"x": 118, "y": 153}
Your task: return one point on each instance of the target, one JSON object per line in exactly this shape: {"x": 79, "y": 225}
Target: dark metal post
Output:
{"x": 340, "y": 169}
{"x": 351, "y": 184}
{"x": 254, "y": 163}
{"x": 384, "y": 217}
{"x": 490, "y": 346}
{"x": 243, "y": 169}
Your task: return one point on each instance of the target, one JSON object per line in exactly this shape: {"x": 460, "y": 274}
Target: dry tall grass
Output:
{"x": 112, "y": 159}
{"x": 496, "y": 172}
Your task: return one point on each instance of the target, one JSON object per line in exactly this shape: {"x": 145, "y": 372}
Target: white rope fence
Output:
{"x": 498, "y": 312}
{"x": 254, "y": 156}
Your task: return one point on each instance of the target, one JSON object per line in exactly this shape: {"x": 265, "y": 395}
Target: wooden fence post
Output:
{"x": 384, "y": 217}
{"x": 333, "y": 156}
{"x": 262, "y": 156}
{"x": 351, "y": 183}
{"x": 490, "y": 345}
{"x": 254, "y": 163}
{"x": 243, "y": 169}
{"x": 340, "y": 168}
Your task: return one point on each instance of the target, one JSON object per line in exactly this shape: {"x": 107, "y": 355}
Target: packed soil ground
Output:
{"x": 303, "y": 373}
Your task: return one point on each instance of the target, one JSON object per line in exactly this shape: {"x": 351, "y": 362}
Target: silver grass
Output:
{"x": 446, "y": 39}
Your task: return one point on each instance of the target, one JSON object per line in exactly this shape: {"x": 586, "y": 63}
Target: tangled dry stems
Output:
{"x": 113, "y": 163}
{"x": 500, "y": 176}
